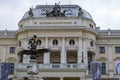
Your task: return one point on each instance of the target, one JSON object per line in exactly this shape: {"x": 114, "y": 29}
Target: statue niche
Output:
{"x": 56, "y": 12}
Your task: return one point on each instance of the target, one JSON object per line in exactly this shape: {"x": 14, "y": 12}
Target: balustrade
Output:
{"x": 52, "y": 66}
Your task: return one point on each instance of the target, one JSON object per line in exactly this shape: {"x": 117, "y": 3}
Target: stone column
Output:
{"x": 82, "y": 78}
{"x": 85, "y": 55}
{"x": 63, "y": 51}
{"x": 61, "y": 78}
{"x": 46, "y": 57}
{"x": 40, "y": 78}
{"x": 79, "y": 55}
{"x": 110, "y": 61}
{"x": 46, "y": 54}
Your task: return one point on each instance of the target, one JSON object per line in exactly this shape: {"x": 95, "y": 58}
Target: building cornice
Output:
{"x": 55, "y": 28}
{"x": 108, "y": 37}
{"x": 61, "y": 18}
{"x": 7, "y": 37}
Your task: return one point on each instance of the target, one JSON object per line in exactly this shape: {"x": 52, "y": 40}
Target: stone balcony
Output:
{"x": 25, "y": 67}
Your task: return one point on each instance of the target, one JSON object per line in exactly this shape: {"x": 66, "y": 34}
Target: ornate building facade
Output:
{"x": 73, "y": 41}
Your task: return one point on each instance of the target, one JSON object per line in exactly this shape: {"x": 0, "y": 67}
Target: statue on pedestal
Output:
{"x": 56, "y": 12}
{"x": 80, "y": 13}
{"x": 30, "y": 12}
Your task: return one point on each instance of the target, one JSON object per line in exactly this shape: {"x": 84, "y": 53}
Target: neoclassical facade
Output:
{"x": 73, "y": 41}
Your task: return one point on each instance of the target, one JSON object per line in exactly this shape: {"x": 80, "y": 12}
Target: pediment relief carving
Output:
{"x": 102, "y": 59}
{"x": 116, "y": 58}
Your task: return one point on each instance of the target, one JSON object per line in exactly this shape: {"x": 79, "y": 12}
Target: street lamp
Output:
{"x": 33, "y": 52}
{"x": 82, "y": 58}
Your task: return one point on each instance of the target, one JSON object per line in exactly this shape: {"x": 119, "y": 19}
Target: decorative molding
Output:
{"x": 11, "y": 59}
{"x": 102, "y": 59}
{"x": 108, "y": 37}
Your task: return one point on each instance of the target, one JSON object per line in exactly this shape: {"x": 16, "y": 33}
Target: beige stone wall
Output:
{"x": 5, "y": 44}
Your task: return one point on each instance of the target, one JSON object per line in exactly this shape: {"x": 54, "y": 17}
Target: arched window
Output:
{"x": 55, "y": 42}
{"x": 91, "y": 43}
{"x": 72, "y": 42}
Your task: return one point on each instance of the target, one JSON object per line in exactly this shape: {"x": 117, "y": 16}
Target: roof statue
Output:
{"x": 80, "y": 13}
{"x": 56, "y": 12}
{"x": 30, "y": 12}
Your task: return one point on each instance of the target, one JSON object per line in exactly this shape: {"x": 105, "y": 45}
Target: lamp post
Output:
{"x": 33, "y": 52}
{"x": 82, "y": 58}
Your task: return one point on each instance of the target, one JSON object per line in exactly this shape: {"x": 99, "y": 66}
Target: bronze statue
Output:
{"x": 56, "y": 12}
{"x": 30, "y": 12}
{"x": 80, "y": 13}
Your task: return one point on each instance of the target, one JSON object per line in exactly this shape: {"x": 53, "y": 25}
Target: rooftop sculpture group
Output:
{"x": 56, "y": 12}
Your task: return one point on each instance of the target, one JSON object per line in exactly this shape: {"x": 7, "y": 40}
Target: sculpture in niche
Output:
{"x": 56, "y": 12}
{"x": 80, "y": 13}
{"x": 30, "y": 12}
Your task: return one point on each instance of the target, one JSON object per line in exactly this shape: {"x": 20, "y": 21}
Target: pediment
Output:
{"x": 11, "y": 59}
{"x": 116, "y": 58}
{"x": 102, "y": 59}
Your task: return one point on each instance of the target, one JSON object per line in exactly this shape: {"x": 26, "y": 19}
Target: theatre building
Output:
{"x": 58, "y": 42}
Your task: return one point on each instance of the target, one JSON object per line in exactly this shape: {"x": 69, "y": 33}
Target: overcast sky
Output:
{"x": 105, "y": 13}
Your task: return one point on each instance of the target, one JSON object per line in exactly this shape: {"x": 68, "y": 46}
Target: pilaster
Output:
{"x": 82, "y": 78}
{"x": 110, "y": 61}
{"x": 61, "y": 78}
{"x": 46, "y": 54}
{"x": 79, "y": 50}
{"x": 85, "y": 55}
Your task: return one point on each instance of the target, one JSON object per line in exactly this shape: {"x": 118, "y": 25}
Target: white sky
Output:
{"x": 106, "y": 13}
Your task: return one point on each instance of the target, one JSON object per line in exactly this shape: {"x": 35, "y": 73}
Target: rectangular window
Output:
{"x": 117, "y": 49}
{"x": 12, "y": 49}
{"x": 11, "y": 68}
{"x": 101, "y": 49}
{"x": 103, "y": 68}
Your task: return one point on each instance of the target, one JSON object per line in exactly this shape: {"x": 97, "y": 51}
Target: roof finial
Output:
{"x": 5, "y": 33}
